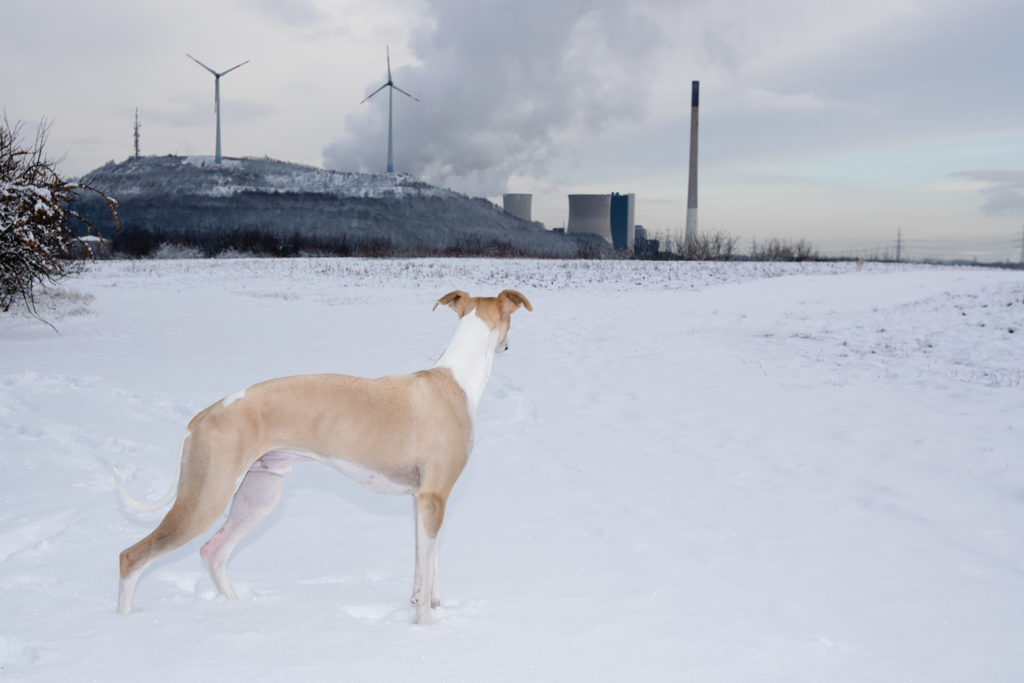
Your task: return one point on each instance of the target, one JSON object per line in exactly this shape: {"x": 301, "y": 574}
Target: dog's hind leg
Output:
{"x": 188, "y": 517}
{"x": 257, "y": 495}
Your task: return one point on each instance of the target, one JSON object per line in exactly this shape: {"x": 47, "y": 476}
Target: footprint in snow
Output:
{"x": 383, "y": 612}
{"x": 186, "y": 582}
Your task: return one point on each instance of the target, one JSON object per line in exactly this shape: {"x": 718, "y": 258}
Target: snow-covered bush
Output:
{"x": 34, "y": 216}
{"x": 168, "y": 250}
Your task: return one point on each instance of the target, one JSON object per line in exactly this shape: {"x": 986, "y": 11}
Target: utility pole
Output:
{"x": 899, "y": 244}
{"x": 137, "y": 126}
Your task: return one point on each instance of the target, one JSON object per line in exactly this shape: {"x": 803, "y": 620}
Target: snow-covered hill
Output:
{"x": 682, "y": 472}
{"x": 199, "y": 175}
{"x": 193, "y": 200}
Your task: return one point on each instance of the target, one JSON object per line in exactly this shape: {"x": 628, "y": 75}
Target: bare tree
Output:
{"x": 35, "y": 234}
{"x": 785, "y": 250}
{"x": 707, "y": 246}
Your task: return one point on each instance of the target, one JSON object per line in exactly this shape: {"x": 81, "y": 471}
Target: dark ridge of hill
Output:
{"x": 254, "y": 203}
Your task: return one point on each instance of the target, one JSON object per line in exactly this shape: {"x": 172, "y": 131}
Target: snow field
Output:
{"x": 718, "y": 472}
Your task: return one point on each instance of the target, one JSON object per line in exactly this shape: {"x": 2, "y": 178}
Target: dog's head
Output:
{"x": 495, "y": 311}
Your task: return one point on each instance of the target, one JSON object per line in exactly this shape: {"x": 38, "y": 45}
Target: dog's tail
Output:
{"x": 141, "y": 506}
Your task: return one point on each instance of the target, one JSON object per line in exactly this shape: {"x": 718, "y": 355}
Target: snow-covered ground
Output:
{"x": 697, "y": 472}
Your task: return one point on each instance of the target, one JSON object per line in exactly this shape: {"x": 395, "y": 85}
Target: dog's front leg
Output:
{"x": 429, "y": 515}
{"x": 416, "y": 534}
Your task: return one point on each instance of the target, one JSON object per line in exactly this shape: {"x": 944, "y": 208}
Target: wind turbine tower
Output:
{"x": 216, "y": 95}
{"x": 390, "y": 85}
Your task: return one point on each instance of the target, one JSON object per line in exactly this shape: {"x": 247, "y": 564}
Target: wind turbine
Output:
{"x": 216, "y": 95}
{"x": 391, "y": 85}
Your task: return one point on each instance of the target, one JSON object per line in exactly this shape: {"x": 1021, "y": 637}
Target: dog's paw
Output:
{"x": 435, "y": 601}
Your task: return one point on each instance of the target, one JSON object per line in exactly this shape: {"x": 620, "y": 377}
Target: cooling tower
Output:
{"x": 518, "y": 205}
{"x": 591, "y": 213}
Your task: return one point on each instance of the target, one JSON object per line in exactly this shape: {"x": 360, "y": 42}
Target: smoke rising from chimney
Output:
{"x": 505, "y": 89}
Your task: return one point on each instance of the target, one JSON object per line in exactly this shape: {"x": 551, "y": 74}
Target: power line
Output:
{"x": 982, "y": 247}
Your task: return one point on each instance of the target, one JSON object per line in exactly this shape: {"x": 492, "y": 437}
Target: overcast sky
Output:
{"x": 833, "y": 121}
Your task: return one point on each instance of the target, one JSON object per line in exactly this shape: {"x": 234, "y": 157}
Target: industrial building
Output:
{"x": 644, "y": 247}
{"x": 609, "y": 215}
{"x": 623, "y": 211}
{"x": 591, "y": 213}
{"x": 518, "y": 205}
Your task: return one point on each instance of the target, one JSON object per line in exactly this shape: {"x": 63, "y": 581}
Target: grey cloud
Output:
{"x": 521, "y": 88}
{"x": 294, "y": 12}
{"x": 928, "y": 76}
{"x": 1002, "y": 176}
{"x": 1003, "y": 191}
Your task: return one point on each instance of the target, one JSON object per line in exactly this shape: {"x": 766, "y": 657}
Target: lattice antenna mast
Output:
{"x": 137, "y": 126}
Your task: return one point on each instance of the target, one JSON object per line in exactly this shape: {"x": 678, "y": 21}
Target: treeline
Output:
{"x": 721, "y": 246}
{"x": 143, "y": 243}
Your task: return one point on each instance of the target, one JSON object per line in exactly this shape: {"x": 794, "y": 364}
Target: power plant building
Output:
{"x": 518, "y": 205}
{"x": 612, "y": 216}
{"x": 591, "y": 213}
{"x": 623, "y": 211}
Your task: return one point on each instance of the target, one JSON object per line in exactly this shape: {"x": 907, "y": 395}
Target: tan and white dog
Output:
{"x": 408, "y": 434}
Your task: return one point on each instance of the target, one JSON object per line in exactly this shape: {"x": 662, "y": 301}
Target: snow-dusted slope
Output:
{"x": 200, "y": 176}
{"x": 682, "y": 472}
{"x": 191, "y": 200}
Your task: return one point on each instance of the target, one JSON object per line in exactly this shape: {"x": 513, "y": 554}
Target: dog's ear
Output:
{"x": 511, "y": 300}
{"x": 458, "y": 301}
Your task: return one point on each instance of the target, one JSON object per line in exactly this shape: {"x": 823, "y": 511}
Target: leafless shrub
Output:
{"x": 784, "y": 250}
{"x": 35, "y": 238}
{"x": 706, "y": 246}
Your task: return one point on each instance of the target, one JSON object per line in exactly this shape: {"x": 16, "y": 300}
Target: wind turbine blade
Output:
{"x": 388, "y": 48}
{"x": 374, "y": 92}
{"x": 404, "y": 93}
{"x": 234, "y": 67}
{"x": 200, "y": 64}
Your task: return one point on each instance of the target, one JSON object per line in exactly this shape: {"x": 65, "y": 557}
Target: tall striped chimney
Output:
{"x": 691, "y": 195}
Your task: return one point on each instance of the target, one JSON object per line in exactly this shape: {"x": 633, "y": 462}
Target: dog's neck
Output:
{"x": 469, "y": 356}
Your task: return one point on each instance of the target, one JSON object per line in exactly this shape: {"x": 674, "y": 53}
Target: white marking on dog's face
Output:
{"x": 501, "y": 330}
{"x": 232, "y": 398}
{"x": 502, "y": 346}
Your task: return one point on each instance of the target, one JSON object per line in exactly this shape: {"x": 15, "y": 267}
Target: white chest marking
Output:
{"x": 469, "y": 356}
